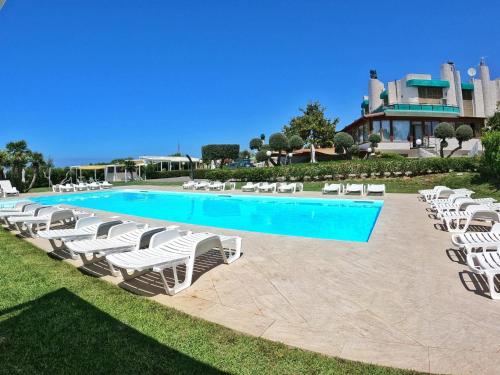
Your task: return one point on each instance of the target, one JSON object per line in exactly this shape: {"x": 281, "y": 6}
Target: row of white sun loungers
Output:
{"x": 81, "y": 186}
{"x": 458, "y": 213}
{"x": 129, "y": 248}
{"x": 360, "y": 189}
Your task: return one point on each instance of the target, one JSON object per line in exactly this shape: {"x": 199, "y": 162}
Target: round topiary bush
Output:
{"x": 255, "y": 144}
{"x": 295, "y": 142}
{"x": 374, "y": 139}
{"x": 444, "y": 130}
{"x": 464, "y": 133}
{"x": 343, "y": 141}
{"x": 278, "y": 142}
{"x": 261, "y": 156}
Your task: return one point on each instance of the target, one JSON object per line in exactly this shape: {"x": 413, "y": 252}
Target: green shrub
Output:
{"x": 343, "y": 141}
{"x": 220, "y": 152}
{"x": 374, "y": 139}
{"x": 256, "y": 144}
{"x": 318, "y": 171}
{"x": 490, "y": 161}
{"x": 261, "y": 156}
{"x": 295, "y": 142}
{"x": 444, "y": 130}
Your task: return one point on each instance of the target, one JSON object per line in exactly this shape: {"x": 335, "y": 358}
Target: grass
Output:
{"x": 393, "y": 185}
{"x": 54, "y": 320}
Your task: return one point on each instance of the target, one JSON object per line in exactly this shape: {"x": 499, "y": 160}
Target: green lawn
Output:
{"x": 55, "y": 320}
{"x": 394, "y": 185}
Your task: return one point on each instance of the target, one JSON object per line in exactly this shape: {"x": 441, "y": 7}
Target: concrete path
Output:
{"x": 404, "y": 299}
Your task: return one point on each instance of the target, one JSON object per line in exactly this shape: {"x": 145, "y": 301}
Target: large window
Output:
{"x": 430, "y": 126}
{"x": 383, "y": 128}
{"x": 430, "y": 92}
{"x": 401, "y": 130}
{"x": 467, "y": 94}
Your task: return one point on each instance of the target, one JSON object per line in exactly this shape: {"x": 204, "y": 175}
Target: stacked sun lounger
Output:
{"x": 461, "y": 215}
{"x": 360, "y": 189}
{"x": 129, "y": 248}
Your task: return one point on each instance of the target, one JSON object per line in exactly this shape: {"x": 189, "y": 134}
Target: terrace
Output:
{"x": 404, "y": 299}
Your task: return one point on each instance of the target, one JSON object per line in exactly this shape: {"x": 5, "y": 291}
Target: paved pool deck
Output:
{"x": 404, "y": 299}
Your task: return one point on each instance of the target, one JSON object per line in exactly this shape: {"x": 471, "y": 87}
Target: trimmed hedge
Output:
{"x": 220, "y": 152}
{"x": 337, "y": 170}
{"x": 490, "y": 162}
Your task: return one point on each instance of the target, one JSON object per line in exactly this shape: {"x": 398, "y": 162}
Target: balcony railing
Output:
{"x": 419, "y": 108}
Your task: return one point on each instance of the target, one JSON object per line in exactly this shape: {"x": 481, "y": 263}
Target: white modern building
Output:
{"x": 171, "y": 163}
{"x": 406, "y": 111}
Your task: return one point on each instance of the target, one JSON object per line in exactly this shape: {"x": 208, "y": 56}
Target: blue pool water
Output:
{"x": 335, "y": 219}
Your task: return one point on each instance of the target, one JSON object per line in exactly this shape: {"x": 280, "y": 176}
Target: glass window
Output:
{"x": 365, "y": 132}
{"x": 401, "y": 130}
{"x": 386, "y": 130}
{"x": 430, "y": 92}
{"x": 467, "y": 94}
{"x": 376, "y": 127}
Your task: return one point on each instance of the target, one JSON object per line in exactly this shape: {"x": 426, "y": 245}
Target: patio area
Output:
{"x": 404, "y": 299}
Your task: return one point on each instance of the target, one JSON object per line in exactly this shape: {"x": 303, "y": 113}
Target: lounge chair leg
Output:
{"x": 178, "y": 287}
{"x": 491, "y": 283}
{"x": 113, "y": 271}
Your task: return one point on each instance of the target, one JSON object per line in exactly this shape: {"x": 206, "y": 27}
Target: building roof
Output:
{"x": 175, "y": 159}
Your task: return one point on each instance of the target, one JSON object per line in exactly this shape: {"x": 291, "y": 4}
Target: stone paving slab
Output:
{"x": 404, "y": 299}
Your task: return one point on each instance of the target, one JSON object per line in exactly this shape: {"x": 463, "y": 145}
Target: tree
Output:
{"x": 295, "y": 142}
{"x": 129, "y": 166}
{"x": 443, "y": 131}
{"x": 462, "y": 134}
{"x": 220, "y": 152}
{"x": 343, "y": 142}
{"x": 262, "y": 137}
{"x": 374, "y": 140}
{"x": 18, "y": 155}
{"x": 256, "y": 144}
{"x": 493, "y": 123}
{"x": 261, "y": 156}
{"x": 278, "y": 142}
{"x": 36, "y": 162}
{"x": 245, "y": 154}
{"x": 3, "y": 162}
{"x": 490, "y": 161}
{"x": 312, "y": 126}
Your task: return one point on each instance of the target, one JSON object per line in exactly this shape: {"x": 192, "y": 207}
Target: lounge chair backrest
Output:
{"x": 120, "y": 229}
{"x": 60, "y": 215}
{"x": 164, "y": 236}
{"x": 5, "y": 185}
{"x": 104, "y": 228}
{"x": 486, "y": 214}
{"x": 86, "y": 221}
{"x": 146, "y": 236}
{"x": 47, "y": 210}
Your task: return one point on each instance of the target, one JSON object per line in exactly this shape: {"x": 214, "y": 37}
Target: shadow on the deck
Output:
{"x": 62, "y": 333}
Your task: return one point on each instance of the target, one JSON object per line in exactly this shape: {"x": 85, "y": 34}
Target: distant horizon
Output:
{"x": 148, "y": 76}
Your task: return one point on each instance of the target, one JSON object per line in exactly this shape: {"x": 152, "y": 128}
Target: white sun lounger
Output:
{"x": 7, "y": 189}
{"x": 94, "y": 186}
{"x": 85, "y": 228}
{"x": 266, "y": 187}
{"x": 46, "y": 216}
{"x": 428, "y": 194}
{"x": 15, "y": 207}
{"x": 443, "y": 194}
{"x": 122, "y": 237}
{"x": 375, "y": 189}
{"x": 486, "y": 264}
{"x": 250, "y": 187}
{"x": 66, "y": 188}
{"x": 354, "y": 188}
{"x": 106, "y": 185}
{"x": 28, "y": 210}
{"x": 189, "y": 185}
{"x": 459, "y": 204}
{"x": 217, "y": 185}
{"x": 434, "y": 203}
{"x": 289, "y": 188}
{"x": 477, "y": 241}
{"x": 453, "y": 220}
{"x": 333, "y": 188}
{"x": 170, "y": 249}
{"x": 81, "y": 187}
{"x": 202, "y": 185}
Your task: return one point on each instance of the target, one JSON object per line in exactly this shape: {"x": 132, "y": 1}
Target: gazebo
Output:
{"x": 112, "y": 170}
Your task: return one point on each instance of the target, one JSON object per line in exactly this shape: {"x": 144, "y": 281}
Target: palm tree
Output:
{"x": 3, "y": 163}
{"x": 18, "y": 155}
{"x": 36, "y": 162}
{"x": 129, "y": 166}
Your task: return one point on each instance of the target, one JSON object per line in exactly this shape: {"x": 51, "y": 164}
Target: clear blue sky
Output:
{"x": 87, "y": 81}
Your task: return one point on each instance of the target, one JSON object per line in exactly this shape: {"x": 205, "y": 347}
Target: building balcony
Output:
{"x": 412, "y": 109}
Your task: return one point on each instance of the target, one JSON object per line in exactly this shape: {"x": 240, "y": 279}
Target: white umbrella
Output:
{"x": 212, "y": 164}
{"x": 313, "y": 154}
{"x": 23, "y": 176}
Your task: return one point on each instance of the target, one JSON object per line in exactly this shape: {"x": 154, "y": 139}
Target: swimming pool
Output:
{"x": 334, "y": 219}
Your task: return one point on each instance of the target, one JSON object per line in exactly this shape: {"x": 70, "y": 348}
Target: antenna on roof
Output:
{"x": 178, "y": 147}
